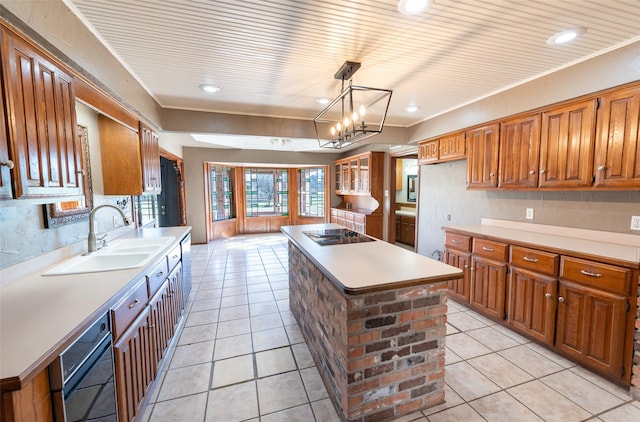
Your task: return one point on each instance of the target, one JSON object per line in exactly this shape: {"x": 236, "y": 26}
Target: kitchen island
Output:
{"x": 373, "y": 316}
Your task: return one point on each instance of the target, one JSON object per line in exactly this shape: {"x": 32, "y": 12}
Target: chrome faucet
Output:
{"x": 92, "y": 235}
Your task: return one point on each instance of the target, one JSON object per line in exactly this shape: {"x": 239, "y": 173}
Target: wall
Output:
{"x": 194, "y": 159}
{"x": 444, "y": 201}
{"x": 24, "y": 235}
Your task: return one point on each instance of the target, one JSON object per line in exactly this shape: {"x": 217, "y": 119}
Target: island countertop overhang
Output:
{"x": 359, "y": 268}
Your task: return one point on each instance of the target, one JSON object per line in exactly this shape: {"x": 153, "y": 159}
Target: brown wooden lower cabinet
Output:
{"x": 591, "y": 326}
{"x": 134, "y": 369}
{"x": 176, "y": 293}
{"x": 532, "y": 304}
{"x": 488, "y": 281}
{"x": 578, "y": 307}
{"x": 161, "y": 317}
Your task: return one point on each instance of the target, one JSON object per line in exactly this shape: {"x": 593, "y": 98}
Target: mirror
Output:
{"x": 412, "y": 191}
{"x": 67, "y": 212}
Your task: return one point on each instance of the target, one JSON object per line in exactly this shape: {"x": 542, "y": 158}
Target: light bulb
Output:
{"x": 355, "y": 116}
{"x": 333, "y": 131}
{"x": 338, "y": 126}
{"x": 346, "y": 122}
{"x": 362, "y": 110}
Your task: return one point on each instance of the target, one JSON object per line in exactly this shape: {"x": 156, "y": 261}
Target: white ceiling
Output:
{"x": 274, "y": 58}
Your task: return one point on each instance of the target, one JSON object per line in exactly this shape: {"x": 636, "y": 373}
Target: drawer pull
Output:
{"x": 466, "y": 266}
{"x": 134, "y": 303}
{"x": 532, "y": 172}
{"x": 591, "y": 274}
{"x": 547, "y": 295}
{"x": 455, "y": 241}
{"x": 526, "y": 258}
{"x": 151, "y": 327}
{"x": 175, "y": 256}
{"x": 484, "y": 248}
{"x": 160, "y": 274}
{"x": 561, "y": 299}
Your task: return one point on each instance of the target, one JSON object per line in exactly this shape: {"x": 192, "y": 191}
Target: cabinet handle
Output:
{"x": 484, "y": 248}
{"x": 472, "y": 269}
{"x": 466, "y": 266}
{"x": 590, "y": 274}
{"x": 160, "y": 274}
{"x": 548, "y": 295}
{"x": 542, "y": 171}
{"x": 8, "y": 164}
{"x": 151, "y": 327}
{"x": 526, "y": 258}
{"x": 601, "y": 168}
{"x": 175, "y": 256}
{"x": 455, "y": 241}
{"x": 134, "y": 303}
{"x": 532, "y": 172}
{"x": 561, "y": 299}
{"x": 491, "y": 174}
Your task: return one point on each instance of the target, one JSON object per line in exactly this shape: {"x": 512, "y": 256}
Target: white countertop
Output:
{"x": 624, "y": 248}
{"x": 366, "y": 266}
{"x": 38, "y": 313}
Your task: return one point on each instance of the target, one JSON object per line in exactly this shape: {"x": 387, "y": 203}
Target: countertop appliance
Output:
{"x": 326, "y": 237}
{"x": 81, "y": 379}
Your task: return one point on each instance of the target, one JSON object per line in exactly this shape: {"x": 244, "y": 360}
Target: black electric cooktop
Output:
{"x": 326, "y": 237}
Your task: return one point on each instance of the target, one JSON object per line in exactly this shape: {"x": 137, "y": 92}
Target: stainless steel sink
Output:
{"x": 121, "y": 254}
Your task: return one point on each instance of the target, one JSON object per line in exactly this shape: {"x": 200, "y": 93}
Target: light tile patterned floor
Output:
{"x": 241, "y": 357}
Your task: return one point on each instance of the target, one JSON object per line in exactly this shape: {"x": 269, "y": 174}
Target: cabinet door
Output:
{"x": 428, "y": 151}
{"x": 488, "y": 283}
{"x": 121, "y": 159}
{"x": 5, "y": 163}
{"x": 482, "y": 164}
{"x": 460, "y": 288}
{"x": 363, "y": 170}
{"x": 346, "y": 181}
{"x": 337, "y": 170}
{"x": 354, "y": 181}
{"x": 532, "y": 304}
{"x": 617, "y": 160}
{"x": 134, "y": 369}
{"x": 519, "y": 152}
{"x": 162, "y": 327}
{"x": 176, "y": 294}
{"x": 590, "y": 326}
{"x": 150, "y": 156}
{"x": 452, "y": 147}
{"x": 40, "y": 108}
{"x": 566, "y": 145}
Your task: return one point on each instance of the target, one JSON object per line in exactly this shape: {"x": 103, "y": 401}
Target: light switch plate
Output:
{"x": 635, "y": 222}
{"x": 529, "y": 214}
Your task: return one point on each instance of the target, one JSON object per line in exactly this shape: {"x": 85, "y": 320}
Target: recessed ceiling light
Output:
{"x": 210, "y": 88}
{"x": 566, "y": 36}
{"x": 412, "y": 7}
{"x": 323, "y": 101}
{"x": 411, "y": 109}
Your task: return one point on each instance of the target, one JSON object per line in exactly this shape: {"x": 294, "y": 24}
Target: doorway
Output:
{"x": 403, "y": 199}
{"x": 171, "y": 201}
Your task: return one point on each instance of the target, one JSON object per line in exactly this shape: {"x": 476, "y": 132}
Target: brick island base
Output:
{"x": 381, "y": 354}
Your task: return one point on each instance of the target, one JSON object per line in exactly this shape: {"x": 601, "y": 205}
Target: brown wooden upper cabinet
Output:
{"x": 482, "y": 165}
{"x": 130, "y": 159}
{"x": 519, "y": 152}
{"x": 354, "y": 174}
{"x": 617, "y": 150}
{"x": 566, "y": 145}
{"x": 39, "y": 121}
{"x": 150, "y": 152}
{"x": 446, "y": 148}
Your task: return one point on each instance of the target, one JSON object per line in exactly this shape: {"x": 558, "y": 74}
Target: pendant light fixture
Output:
{"x": 356, "y": 114}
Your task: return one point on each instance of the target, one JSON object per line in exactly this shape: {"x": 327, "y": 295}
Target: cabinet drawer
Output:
{"x": 534, "y": 260}
{"x": 157, "y": 276}
{"x": 128, "y": 308}
{"x": 458, "y": 241}
{"x": 490, "y": 249}
{"x": 359, "y": 218}
{"x": 595, "y": 274}
{"x": 174, "y": 257}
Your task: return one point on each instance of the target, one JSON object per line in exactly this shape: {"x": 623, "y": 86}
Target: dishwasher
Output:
{"x": 81, "y": 379}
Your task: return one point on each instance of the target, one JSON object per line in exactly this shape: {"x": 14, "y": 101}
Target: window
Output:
{"x": 267, "y": 192}
{"x": 311, "y": 192}
{"x": 221, "y": 186}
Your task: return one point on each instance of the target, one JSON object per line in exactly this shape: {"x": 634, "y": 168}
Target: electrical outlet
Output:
{"x": 635, "y": 222}
{"x": 115, "y": 221}
{"x": 529, "y": 214}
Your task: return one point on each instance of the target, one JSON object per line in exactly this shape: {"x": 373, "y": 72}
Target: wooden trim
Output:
{"x": 95, "y": 98}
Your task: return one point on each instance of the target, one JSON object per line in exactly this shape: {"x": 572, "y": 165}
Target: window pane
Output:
{"x": 221, "y": 182}
{"x": 267, "y": 192}
{"x": 311, "y": 192}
